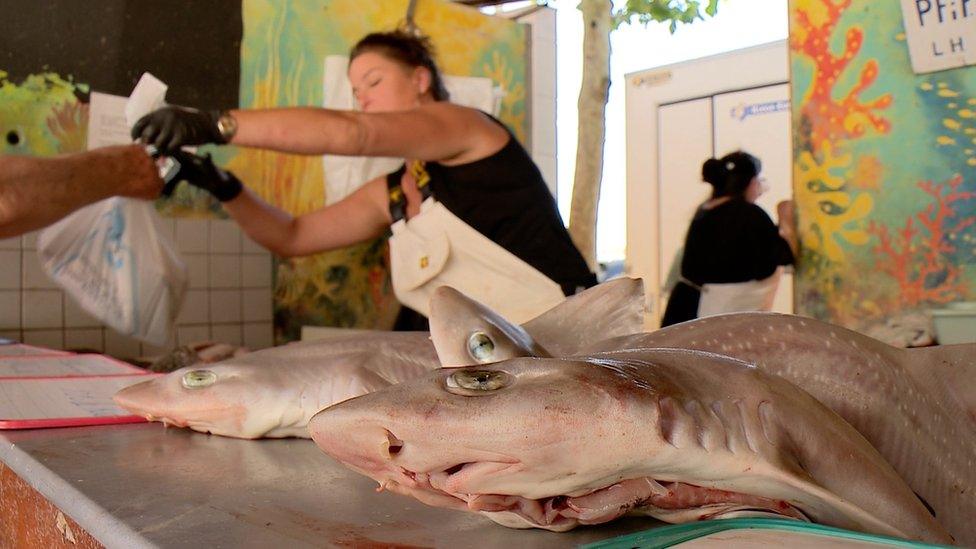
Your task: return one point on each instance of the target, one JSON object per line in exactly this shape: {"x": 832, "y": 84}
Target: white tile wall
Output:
{"x": 198, "y": 266}
{"x": 10, "y": 274}
{"x": 257, "y": 304}
{"x": 10, "y": 309}
{"x": 85, "y": 338}
{"x": 196, "y": 308}
{"x": 34, "y": 275}
{"x": 225, "y": 270}
{"x": 186, "y": 335}
{"x": 258, "y": 335}
{"x": 227, "y": 333}
{"x": 192, "y": 235}
{"x": 225, "y": 305}
{"x": 42, "y": 309}
{"x": 121, "y": 346}
{"x": 225, "y": 237}
{"x": 76, "y": 317}
{"x": 220, "y": 259}
{"x": 52, "y": 339}
{"x": 256, "y": 271}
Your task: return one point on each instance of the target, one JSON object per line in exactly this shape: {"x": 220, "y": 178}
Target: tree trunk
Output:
{"x": 593, "y": 96}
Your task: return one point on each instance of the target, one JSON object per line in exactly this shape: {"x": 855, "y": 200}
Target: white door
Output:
{"x": 684, "y": 142}
{"x": 758, "y": 121}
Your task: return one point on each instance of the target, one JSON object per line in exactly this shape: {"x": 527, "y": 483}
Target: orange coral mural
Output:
{"x": 878, "y": 237}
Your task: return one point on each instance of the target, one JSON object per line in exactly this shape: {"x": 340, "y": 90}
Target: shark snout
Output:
{"x": 138, "y": 398}
{"x": 362, "y": 444}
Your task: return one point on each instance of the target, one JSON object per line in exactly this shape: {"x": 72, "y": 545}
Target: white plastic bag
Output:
{"x": 113, "y": 260}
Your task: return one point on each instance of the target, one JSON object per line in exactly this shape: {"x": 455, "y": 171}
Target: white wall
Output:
{"x": 645, "y": 92}
{"x": 541, "y": 97}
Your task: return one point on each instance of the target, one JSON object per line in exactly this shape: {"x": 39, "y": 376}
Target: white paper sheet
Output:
{"x": 106, "y": 121}
{"x": 148, "y": 95}
{"x": 24, "y": 402}
{"x": 20, "y": 349}
{"x": 67, "y": 365}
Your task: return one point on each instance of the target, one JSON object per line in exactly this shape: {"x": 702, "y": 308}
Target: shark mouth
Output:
{"x": 674, "y": 502}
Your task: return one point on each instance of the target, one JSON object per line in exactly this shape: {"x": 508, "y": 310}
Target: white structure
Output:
{"x": 677, "y": 117}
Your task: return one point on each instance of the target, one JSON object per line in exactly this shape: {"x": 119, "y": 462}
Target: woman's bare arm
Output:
{"x": 358, "y": 217}
{"x": 440, "y": 131}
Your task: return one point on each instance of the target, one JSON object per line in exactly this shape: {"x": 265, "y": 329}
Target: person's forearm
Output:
{"x": 300, "y": 130}
{"x": 270, "y": 227}
{"x": 35, "y": 192}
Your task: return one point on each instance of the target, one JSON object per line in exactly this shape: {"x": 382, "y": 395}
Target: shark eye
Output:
{"x": 481, "y": 347}
{"x": 478, "y": 381}
{"x": 197, "y": 379}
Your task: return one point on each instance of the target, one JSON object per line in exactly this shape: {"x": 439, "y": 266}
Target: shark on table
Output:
{"x": 914, "y": 406}
{"x": 272, "y": 393}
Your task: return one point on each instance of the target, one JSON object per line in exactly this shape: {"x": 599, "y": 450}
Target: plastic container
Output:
{"x": 956, "y": 323}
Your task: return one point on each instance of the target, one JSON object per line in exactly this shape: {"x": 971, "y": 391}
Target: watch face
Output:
{"x": 227, "y": 125}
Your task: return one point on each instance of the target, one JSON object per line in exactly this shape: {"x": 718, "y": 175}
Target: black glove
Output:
{"x": 200, "y": 171}
{"x": 170, "y": 128}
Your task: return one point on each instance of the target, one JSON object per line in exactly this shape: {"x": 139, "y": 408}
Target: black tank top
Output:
{"x": 504, "y": 197}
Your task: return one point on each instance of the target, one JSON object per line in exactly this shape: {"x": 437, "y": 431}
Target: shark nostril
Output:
{"x": 393, "y": 444}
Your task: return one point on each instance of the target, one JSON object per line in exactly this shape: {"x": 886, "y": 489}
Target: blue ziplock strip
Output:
{"x": 667, "y": 536}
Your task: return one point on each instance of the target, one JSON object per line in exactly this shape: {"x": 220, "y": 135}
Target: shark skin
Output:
{"x": 676, "y": 434}
{"x": 916, "y": 406}
{"x": 273, "y": 392}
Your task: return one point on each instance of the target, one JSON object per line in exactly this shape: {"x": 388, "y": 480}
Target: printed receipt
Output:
{"x": 57, "y": 402}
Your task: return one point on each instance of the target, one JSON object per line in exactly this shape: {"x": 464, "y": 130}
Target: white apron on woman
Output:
{"x": 737, "y": 297}
{"x": 435, "y": 248}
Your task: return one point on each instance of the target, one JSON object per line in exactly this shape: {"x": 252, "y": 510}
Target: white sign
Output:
{"x": 941, "y": 34}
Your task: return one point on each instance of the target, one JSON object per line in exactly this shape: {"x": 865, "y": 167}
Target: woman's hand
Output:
{"x": 200, "y": 171}
{"x": 170, "y": 128}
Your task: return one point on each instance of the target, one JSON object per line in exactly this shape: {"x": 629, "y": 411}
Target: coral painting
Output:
{"x": 884, "y": 168}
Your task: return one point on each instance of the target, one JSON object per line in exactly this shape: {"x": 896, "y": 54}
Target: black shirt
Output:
{"x": 504, "y": 197}
{"x": 733, "y": 242}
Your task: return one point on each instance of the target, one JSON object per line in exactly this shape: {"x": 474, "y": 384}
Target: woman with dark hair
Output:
{"x": 465, "y": 159}
{"x": 732, "y": 250}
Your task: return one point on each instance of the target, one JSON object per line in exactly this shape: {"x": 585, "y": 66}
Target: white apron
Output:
{"x": 754, "y": 295}
{"x": 435, "y": 248}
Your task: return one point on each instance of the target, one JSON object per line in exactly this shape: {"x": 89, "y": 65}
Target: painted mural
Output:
{"x": 281, "y": 59}
{"x": 282, "y": 64}
{"x": 884, "y": 168}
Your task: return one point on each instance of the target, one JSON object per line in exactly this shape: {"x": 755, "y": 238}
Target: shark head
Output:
{"x": 679, "y": 435}
{"x": 466, "y": 332}
{"x": 214, "y": 398}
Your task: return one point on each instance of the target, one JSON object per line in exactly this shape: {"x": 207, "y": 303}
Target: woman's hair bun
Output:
{"x": 713, "y": 171}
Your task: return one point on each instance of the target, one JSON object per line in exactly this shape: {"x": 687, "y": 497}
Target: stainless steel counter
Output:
{"x": 145, "y": 486}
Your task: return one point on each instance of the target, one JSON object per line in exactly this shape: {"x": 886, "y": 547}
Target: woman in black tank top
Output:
{"x": 469, "y": 161}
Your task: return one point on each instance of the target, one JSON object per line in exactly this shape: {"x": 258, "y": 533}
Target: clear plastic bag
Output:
{"x": 112, "y": 258}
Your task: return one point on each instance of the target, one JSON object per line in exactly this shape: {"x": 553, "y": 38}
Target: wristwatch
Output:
{"x": 227, "y": 126}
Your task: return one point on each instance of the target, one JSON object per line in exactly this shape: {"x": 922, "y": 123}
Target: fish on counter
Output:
{"x": 273, "y": 392}
{"x": 676, "y": 434}
{"x": 916, "y": 406}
